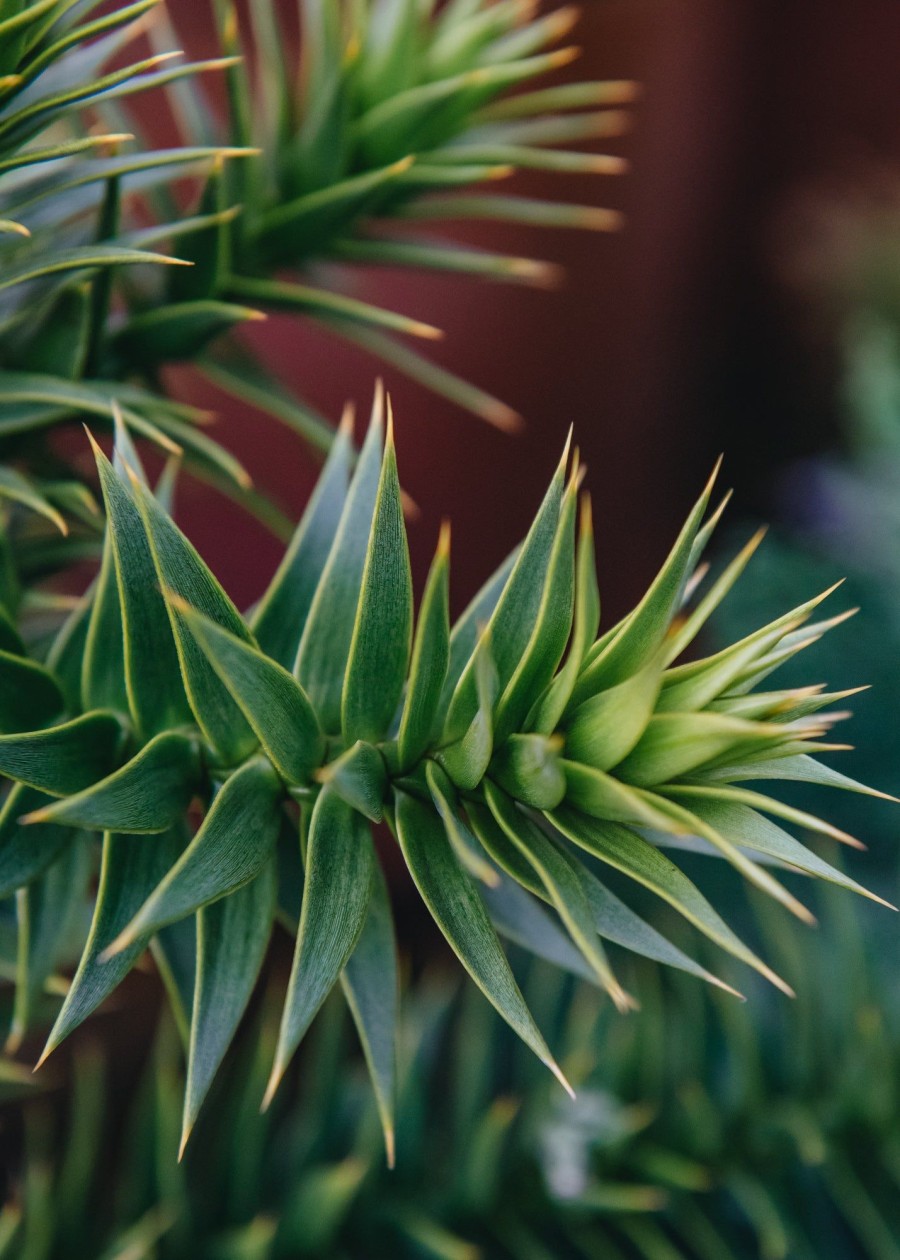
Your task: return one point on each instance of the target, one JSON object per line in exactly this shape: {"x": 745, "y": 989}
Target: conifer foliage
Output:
{"x": 512, "y": 757}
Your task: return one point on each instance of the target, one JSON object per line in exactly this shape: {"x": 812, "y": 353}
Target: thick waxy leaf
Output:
{"x": 465, "y": 633}
{"x": 466, "y": 761}
{"x": 512, "y": 621}
{"x": 232, "y": 938}
{"x": 463, "y": 843}
{"x": 25, "y": 852}
{"x": 64, "y": 759}
{"x": 605, "y": 728}
{"x": 694, "y": 824}
{"x": 29, "y": 694}
{"x": 281, "y": 614}
{"x": 148, "y": 794}
{"x": 232, "y": 846}
{"x": 359, "y": 777}
{"x": 382, "y": 632}
{"x": 336, "y": 893}
{"x": 612, "y": 919}
{"x": 451, "y": 897}
{"x": 131, "y": 868}
{"x": 103, "y": 678}
{"x": 272, "y": 701}
{"x": 674, "y": 744}
{"x": 557, "y": 873}
{"x": 325, "y": 645}
{"x": 603, "y": 796}
{"x": 630, "y": 853}
{"x": 800, "y": 768}
{"x": 530, "y": 769}
{"x": 643, "y": 631}
{"x": 180, "y": 571}
{"x": 429, "y": 661}
{"x": 371, "y": 986}
{"x": 553, "y": 704}
{"x": 155, "y": 691}
{"x": 551, "y": 629}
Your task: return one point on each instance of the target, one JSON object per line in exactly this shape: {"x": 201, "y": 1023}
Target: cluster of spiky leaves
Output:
{"x": 759, "y": 1131}
{"x": 500, "y": 754}
{"x": 396, "y": 111}
{"x": 394, "y": 107}
{"x": 65, "y": 247}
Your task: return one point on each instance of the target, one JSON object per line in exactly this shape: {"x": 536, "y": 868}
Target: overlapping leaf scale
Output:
{"x": 513, "y": 758}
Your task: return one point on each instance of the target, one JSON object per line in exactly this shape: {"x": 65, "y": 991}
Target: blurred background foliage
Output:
{"x": 752, "y": 305}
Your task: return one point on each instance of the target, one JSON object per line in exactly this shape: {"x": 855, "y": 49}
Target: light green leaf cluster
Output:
{"x": 512, "y": 757}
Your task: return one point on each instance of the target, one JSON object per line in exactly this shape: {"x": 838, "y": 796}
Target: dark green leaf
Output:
{"x": 232, "y": 937}
{"x": 156, "y": 693}
{"x": 382, "y": 630}
{"x": 325, "y": 644}
{"x": 181, "y": 572}
{"x": 272, "y": 701}
{"x": 359, "y": 777}
{"x": 451, "y": 897}
{"x": 148, "y": 794}
{"x": 132, "y": 867}
{"x": 429, "y": 661}
{"x": 231, "y": 848}
{"x": 64, "y": 759}
{"x": 336, "y": 894}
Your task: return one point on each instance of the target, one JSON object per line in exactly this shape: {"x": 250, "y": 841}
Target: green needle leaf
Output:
{"x": 230, "y": 849}
{"x": 451, "y": 897}
{"x": 272, "y": 701}
{"x": 359, "y": 777}
{"x": 513, "y": 619}
{"x": 153, "y": 679}
{"x": 64, "y": 759}
{"x": 431, "y": 651}
{"x": 644, "y": 630}
{"x": 551, "y": 629}
{"x": 382, "y": 631}
{"x": 628, "y": 852}
{"x": 131, "y": 868}
{"x": 181, "y": 572}
{"x": 339, "y": 862}
{"x": 556, "y": 872}
{"x": 232, "y": 938}
{"x": 325, "y": 644}
{"x": 46, "y": 912}
{"x": 148, "y": 794}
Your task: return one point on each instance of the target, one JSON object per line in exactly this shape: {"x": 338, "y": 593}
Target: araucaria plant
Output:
{"x": 222, "y": 773}
{"x": 501, "y": 754}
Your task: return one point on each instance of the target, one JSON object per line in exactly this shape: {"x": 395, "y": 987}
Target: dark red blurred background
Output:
{"x": 666, "y": 344}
